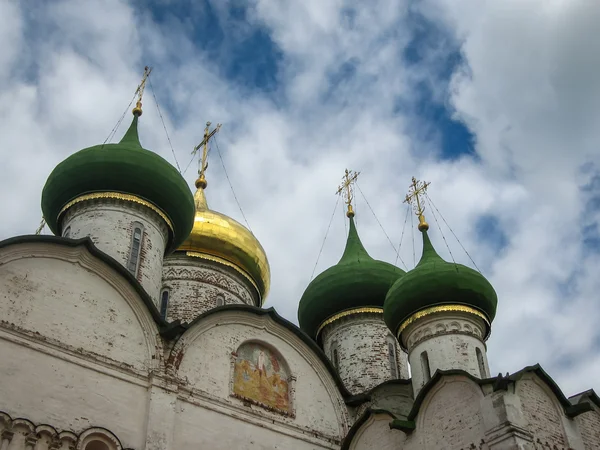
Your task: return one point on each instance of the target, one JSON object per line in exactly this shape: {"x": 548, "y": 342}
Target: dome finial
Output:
{"x": 201, "y": 181}
{"x": 346, "y": 189}
{"x": 416, "y": 189}
{"x": 137, "y": 111}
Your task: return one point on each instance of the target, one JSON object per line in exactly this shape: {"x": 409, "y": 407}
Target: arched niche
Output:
{"x": 262, "y": 377}
{"x": 98, "y": 439}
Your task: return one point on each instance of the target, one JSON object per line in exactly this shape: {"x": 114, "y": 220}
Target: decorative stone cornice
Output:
{"x": 452, "y": 322}
{"x": 118, "y": 196}
{"x": 349, "y": 312}
{"x": 64, "y": 439}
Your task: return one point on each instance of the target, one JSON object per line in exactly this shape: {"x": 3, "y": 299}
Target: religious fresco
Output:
{"x": 260, "y": 378}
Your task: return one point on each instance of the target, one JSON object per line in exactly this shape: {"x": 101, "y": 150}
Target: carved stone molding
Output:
{"x": 196, "y": 270}
{"x": 443, "y": 324}
{"x": 63, "y": 440}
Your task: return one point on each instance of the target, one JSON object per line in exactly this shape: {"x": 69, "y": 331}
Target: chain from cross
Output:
{"x": 413, "y": 198}
{"x": 140, "y": 91}
{"x": 204, "y": 145}
{"x": 346, "y": 189}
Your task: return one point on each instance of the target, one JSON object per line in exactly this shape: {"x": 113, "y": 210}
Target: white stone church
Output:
{"x": 139, "y": 325}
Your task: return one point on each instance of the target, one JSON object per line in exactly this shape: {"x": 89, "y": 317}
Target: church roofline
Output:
{"x": 163, "y": 325}
{"x": 585, "y": 396}
{"x": 363, "y": 397}
{"x": 501, "y": 383}
{"x": 285, "y": 323}
{"x": 361, "y": 421}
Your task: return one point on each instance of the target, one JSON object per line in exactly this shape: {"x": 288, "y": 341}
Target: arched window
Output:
{"x": 482, "y": 370}
{"x": 392, "y": 357}
{"x": 96, "y": 445}
{"x": 67, "y": 232}
{"x": 98, "y": 439}
{"x": 135, "y": 248}
{"x": 220, "y": 300}
{"x": 164, "y": 303}
{"x": 425, "y": 367}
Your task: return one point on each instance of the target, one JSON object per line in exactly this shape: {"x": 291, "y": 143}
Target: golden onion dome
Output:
{"x": 220, "y": 238}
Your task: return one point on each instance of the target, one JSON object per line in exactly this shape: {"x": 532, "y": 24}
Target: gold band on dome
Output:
{"x": 349, "y": 312}
{"x": 442, "y": 308}
{"x": 228, "y": 264}
{"x": 118, "y": 196}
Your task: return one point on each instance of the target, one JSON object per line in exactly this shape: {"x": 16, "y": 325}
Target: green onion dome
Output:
{"x": 437, "y": 283}
{"x": 124, "y": 168}
{"x": 356, "y": 281}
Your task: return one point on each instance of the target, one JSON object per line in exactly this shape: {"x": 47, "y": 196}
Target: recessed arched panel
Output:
{"x": 97, "y": 445}
{"x": 261, "y": 376}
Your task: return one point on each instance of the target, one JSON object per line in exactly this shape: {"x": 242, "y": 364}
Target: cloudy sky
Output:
{"x": 496, "y": 103}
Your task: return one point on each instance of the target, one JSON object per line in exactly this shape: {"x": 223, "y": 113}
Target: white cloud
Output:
{"x": 527, "y": 91}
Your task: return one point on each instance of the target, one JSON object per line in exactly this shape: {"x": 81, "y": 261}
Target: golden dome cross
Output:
{"x": 140, "y": 91}
{"x": 204, "y": 145}
{"x": 346, "y": 189}
{"x": 416, "y": 189}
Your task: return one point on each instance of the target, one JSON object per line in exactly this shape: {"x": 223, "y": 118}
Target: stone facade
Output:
{"x": 589, "y": 424}
{"x": 196, "y": 285}
{"x": 445, "y": 341}
{"x": 363, "y": 351}
{"x": 110, "y": 223}
{"x": 87, "y": 364}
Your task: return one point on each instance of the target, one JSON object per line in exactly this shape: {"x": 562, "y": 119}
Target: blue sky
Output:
{"x": 496, "y": 103}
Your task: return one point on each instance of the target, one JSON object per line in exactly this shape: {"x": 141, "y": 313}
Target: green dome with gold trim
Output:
{"x": 122, "y": 168}
{"x": 356, "y": 281}
{"x": 435, "y": 282}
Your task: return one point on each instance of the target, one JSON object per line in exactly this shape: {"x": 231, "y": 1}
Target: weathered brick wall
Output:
{"x": 375, "y": 434}
{"x": 450, "y": 416}
{"x": 109, "y": 223}
{"x": 541, "y": 411}
{"x": 362, "y": 342}
{"x": 196, "y": 284}
{"x": 589, "y": 427}
{"x": 450, "y": 341}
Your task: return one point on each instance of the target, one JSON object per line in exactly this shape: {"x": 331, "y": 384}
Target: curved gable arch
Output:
{"x": 452, "y": 404}
{"x": 50, "y": 273}
{"x": 542, "y": 409}
{"x": 211, "y": 341}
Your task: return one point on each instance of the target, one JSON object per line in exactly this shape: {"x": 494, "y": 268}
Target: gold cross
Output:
{"x": 140, "y": 91}
{"x": 346, "y": 189}
{"x": 416, "y": 189}
{"x": 204, "y": 144}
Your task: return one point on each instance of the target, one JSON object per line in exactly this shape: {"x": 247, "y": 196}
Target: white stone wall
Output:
{"x": 589, "y": 427}
{"x": 203, "y": 359}
{"x": 450, "y": 341}
{"x": 542, "y": 411}
{"x": 376, "y": 434}
{"x": 110, "y": 223}
{"x": 76, "y": 342}
{"x": 195, "y": 284}
{"x": 450, "y": 417}
{"x": 362, "y": 342}
{"x": 79, "y": 349}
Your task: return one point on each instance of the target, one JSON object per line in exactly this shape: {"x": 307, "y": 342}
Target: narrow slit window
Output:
{"x": 164, "y": 303}
{"x": 393, "y": 362}
{"x": 482, "y": 370}
{"x": 335, "y": 358}
{"x": 136, "y": 246}
{"x": 425, "y": 367}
